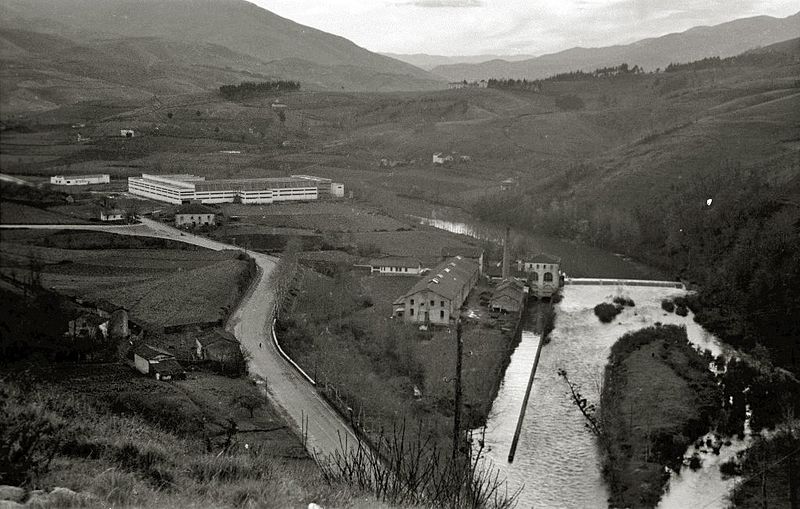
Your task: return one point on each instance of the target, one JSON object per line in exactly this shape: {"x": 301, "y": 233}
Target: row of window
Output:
{"x": 433, "y": 303}
{"x": 395, "y": 269}
{"x": 441, "y": 313}
{"x": 548, "y": 277}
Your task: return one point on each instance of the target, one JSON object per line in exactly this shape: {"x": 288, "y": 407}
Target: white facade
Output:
{"x": 337, "y": 190}
{"x": 80, "y": 180}
{"x": 544, "y": 276}
{"x": 111, "y": 215}
{"x": 126, "y": 133}
{"x": 179, "y": 189}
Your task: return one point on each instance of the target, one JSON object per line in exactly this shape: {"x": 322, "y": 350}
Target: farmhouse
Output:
{"x": 80, "y": 180}
{"x": 112, "y": 215}
{"x": 473, "y": 253}
{"x": 508, "y": 296}
{"x": 218, "y": 346}
{"x": 438, "y": 297}
{"x": 157, "y": 363}
{"x": 126, "y": 133}
{"x": 544, "y": 276}
{"x": 396, "y": 266}
{"x": 179, "y": 189}
{"x": 194, "y": 214}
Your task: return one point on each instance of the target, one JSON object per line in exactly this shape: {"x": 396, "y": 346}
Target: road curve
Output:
{"x": 251, "y": 323}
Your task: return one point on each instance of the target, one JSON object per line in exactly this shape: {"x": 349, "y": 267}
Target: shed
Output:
{"x": 157, "y": 363}
{"x": 217, "y": 345}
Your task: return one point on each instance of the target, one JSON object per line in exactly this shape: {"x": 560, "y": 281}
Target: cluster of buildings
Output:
{"x": 442, "y": 159}
{"x": 456, "y": 85}
{"x": 185, "y": 188}
{"x": 80, "y": 180}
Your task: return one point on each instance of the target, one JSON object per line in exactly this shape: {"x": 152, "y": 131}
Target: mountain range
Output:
{"x": 724, "y": 40}
{"x": 74, "y": 50}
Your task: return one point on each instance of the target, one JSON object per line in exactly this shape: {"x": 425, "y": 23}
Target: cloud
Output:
{"x": 444, "y": 3}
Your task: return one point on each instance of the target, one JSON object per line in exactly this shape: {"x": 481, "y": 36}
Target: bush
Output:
{"x": 681, "y": 311}
{"x": 730, "y": 468}
{"x": 606, "y": 312}
{"x": 668, "y": 306}
{"x": 624, "y": 301}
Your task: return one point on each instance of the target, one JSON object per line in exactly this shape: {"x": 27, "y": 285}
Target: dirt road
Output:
{"x": 251, "y": 322}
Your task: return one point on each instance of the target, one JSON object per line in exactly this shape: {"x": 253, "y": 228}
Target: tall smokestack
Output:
{"x": 506, "y": 261}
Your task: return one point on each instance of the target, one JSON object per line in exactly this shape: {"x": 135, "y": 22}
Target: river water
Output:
{"x": 557, "y": 463}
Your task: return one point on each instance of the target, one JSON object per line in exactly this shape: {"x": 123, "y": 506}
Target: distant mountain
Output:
{"x": 723, "y": 40}
{"x": 201, "y": 43}
{"x": 428, "y": 62}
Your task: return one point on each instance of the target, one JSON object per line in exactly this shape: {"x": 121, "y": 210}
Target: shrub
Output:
{"x": 681, "y": 311}
{"x": 606, "y": 312}
{"x": 624, "y": 301}
{"x": 668, "y": 306}
{"x": 730, "y": 468}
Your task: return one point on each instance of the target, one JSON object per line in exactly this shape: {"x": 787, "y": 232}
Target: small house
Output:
{"x": 194, "y": 214}
{"x": 112, "y": 215}
{"x": 508, "y": 296}
{"x": 126, "y": 133}
{"x": 157, "y": 363}
{"x": 396, "y": 266}
{"x": 337, "y": 190}
{"x": 217, "y": 345}
{"x": 438, "y": 158}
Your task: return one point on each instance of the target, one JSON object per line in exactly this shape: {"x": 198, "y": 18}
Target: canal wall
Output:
{"x": 624, "y": 282}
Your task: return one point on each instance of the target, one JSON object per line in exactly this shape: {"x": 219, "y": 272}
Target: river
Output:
{"x": 557, "y": 463}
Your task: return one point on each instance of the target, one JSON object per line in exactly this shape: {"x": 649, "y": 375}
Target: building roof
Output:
{"x": 510, "y": 282}
{"x": 542, "y": 258}
{"x": 395, "y": 261}
{"x": 466, "y": 252}
{"x": 113, "y": 212}
{"x": 167, "y": 367}
{"x": 446, "y": 279}
{"x": 194, "y": 208}
{"x": 151, "y": 353}
{"x": 216, "y": 336}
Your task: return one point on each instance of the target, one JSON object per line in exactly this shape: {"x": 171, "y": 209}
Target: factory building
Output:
{"x": 179, "y": 189}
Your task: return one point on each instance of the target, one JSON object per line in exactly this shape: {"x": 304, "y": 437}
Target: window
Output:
{"x": 442, "y": 303}
{"x": 433, "y": 303}
{"x": 412, "y": 302}
{"x": 548, "y": 276}
{"x": 405, "y": 269}
{"x": 534, "y": 276}
{"x": 441, "y": 314}
{"x": 411, "y": 312}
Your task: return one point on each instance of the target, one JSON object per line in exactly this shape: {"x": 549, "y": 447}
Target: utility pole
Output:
{"x": 457, "y": 413}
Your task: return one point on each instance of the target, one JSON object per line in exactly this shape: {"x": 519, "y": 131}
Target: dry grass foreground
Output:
{"x": 123, "y": 440}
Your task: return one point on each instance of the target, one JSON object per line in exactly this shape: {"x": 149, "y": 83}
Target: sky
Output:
{"x": 534, "y": 27}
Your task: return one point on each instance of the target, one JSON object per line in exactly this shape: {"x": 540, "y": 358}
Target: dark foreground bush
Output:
{"x": 681, "y": 311}
{"x": 624, "y": 301}
{"x": 668, "y": 306}
{"x": 606, "y": 312}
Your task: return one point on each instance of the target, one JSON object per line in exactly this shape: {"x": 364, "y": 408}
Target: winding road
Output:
{"x": 325, "y": 430}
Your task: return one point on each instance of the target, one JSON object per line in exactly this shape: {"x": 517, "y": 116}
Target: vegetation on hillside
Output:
{"x": 250, "y": 89}
{"x": 658, "y": 397}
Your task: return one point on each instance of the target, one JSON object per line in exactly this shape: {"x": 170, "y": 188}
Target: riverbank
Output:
{"x": 658, "y": 397}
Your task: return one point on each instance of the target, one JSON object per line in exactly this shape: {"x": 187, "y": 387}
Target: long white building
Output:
{"x": 80, "y": 180}
{"x": 179, "y": 189}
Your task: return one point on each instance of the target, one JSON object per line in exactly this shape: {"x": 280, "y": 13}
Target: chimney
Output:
{"x": 506, "y": 261}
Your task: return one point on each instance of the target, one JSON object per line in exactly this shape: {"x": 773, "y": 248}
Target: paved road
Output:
{"x": 250, "y": 323}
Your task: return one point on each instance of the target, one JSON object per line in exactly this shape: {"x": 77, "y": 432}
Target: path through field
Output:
{"x": 325, "y": 429}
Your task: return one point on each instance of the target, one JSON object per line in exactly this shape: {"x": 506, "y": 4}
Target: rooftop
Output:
{"x": 395, "y": 261}
{"x": 216, "y": 336}
{"x": 195, "y": 208}
{"x": 151, "y": 353}
{"x": 467, "y": 252}
{"x": 446, "y": 279}
{"x": 542, "y": 258}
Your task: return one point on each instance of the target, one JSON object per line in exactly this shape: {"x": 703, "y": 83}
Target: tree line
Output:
{"x": 252, "y": 88}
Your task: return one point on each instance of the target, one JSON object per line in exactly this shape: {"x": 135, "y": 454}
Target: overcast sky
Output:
{"x": 469, "y": 27}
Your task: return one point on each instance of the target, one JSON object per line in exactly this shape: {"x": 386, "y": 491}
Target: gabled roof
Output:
{"x": 195, "y": 208}
{"x": 447, "y": 279}
{"x": 512, "y": 283}
{"x": 216, "y": 336}
{"x": 395, "y": 261}
{"x": 466, "y": 252}
{"x": 151, "y": 353}
{"x": 542, "y": 258}
{"x": 167, "y": 367}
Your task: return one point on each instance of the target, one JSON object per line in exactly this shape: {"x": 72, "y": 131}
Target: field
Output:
{"x": 371, "y": 362}
{"x": 166, "y": 286}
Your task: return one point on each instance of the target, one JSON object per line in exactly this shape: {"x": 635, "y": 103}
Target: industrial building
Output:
{"x": 80, "y": 180}
{"x": 438, "y": 297}
{"x": 180, "y": 189}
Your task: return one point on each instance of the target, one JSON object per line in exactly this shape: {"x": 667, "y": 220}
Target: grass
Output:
{"x": 16, "y": 213}
{"x": 658, "y": 397}
{"x": 127, "y": 460}
{"x": 154, "y": 281}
